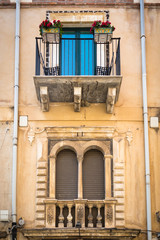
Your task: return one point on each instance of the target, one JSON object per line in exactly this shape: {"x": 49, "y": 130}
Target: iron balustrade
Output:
{"x": 78, "y": 56}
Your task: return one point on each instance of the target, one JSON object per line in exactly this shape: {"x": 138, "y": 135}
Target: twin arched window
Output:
{"x": 92, "y": 175}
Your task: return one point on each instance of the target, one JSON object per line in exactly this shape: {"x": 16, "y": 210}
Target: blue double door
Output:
{"x": 77, "y": 52}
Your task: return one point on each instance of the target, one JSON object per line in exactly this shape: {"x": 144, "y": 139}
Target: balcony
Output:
{"x": 96, "y": 220}
{"x": 78, "y": 70}
{"x": 89, "y": 213}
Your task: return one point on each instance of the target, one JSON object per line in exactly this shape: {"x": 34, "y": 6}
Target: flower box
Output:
{"x": 51, "y": 35}
{"x": 103, "y": 34}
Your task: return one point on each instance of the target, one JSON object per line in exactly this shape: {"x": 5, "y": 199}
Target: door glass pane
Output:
{"x": 77, "y": 53}
{"x": 68, "y": 54}
{"x": 86, "y": 54}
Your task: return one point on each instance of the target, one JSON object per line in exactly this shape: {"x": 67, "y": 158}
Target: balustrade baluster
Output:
{"x": 61, "y": 217}
{"x": 90, "y": 216}
{"x": 69, "y": 217}
{"x": 99, "y": 217}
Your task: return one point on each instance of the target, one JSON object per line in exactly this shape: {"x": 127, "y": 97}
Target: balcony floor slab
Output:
{"x": 94, "y": 89}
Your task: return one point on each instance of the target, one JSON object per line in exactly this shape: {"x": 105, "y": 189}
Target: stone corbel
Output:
{"x": 110, "y": 101}
{"x": 77, "y": 98}
{"x": 44, "y": 99}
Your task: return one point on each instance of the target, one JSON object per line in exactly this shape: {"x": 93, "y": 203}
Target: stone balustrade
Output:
{"x": 90, "y": 213}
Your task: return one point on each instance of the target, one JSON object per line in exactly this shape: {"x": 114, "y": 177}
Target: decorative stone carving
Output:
{"x": 109, "y": 216}
{"x": 110, "y": 101}
{"x": 32, "y": 133}
{"x": 44, "y": 99}
{"x": 50, "y": 215}
{"x": 129, "y": 137}
{"x": 80, "y": 210}
{"x": 31, "y": 136}
{"x": 95, "y": 89}
{"x": 77, "y": 99}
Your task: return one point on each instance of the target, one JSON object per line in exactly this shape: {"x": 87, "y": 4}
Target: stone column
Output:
{"x": 61, "y": 217}
{"x": 107, "y": 176}
{"x": 99, "y": 217}
{"x": 80, "y": 185}
{"x": 69, "y": 217}
{"x": 52, "y": 177}
{"x": 90, "y": 216}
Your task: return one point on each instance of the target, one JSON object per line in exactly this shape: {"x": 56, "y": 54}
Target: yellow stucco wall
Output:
{"x": 127, "y": 114}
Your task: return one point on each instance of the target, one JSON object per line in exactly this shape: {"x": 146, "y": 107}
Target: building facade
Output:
{"x": 81, "y": 169}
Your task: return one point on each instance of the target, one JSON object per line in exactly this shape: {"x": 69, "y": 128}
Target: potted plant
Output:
{"x": 51, "y": 31}
{"x": 102, "y": 31}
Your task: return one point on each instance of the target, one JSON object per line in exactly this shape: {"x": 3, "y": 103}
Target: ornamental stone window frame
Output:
{"x": 80, "y": 150}
{"x": 75, "y": 136}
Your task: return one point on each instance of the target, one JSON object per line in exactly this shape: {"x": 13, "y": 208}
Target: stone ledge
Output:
{"x": 85, "y": 233}
{"x": 94, "y": 89}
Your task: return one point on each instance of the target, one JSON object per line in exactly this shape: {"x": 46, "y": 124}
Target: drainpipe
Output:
{"x": 145, "y": 116}
{"x": 15, "y": 124}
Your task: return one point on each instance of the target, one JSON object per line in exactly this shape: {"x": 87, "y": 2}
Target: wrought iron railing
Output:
{"x": 78, "y": 56}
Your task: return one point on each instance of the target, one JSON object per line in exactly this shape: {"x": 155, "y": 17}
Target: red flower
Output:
{"x": 98, "y": 24}
{"x": 91, "y": 30}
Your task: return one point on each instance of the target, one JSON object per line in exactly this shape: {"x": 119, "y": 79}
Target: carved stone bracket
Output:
{"x": 31, "y": 136}
{"x": 110, "y": 101}
{"x": 32, "y": 133}
{"x": 44, "y": 99}
{"x": 77, "y": 98}
{"x": 83, "y": 90}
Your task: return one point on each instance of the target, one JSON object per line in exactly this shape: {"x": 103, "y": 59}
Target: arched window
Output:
{"x": 93, "y": 175}
{"x": 66, "y": 175}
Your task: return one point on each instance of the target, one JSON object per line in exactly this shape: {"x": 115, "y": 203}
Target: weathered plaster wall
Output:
{"x": 127, "y": 114}
{"x": 7, "y": 19}
{"x": 5, "y": 172}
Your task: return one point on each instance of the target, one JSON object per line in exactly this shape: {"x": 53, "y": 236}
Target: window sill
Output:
{"x": 84, "y": 233}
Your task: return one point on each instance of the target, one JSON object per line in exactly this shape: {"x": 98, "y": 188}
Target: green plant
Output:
{"x": 47, "y": 25}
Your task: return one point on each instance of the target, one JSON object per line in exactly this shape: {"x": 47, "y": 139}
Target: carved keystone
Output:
{"x": 110, "y": 101}
{"x": 44, "y": 99}
{"x": 77, "y": 99}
